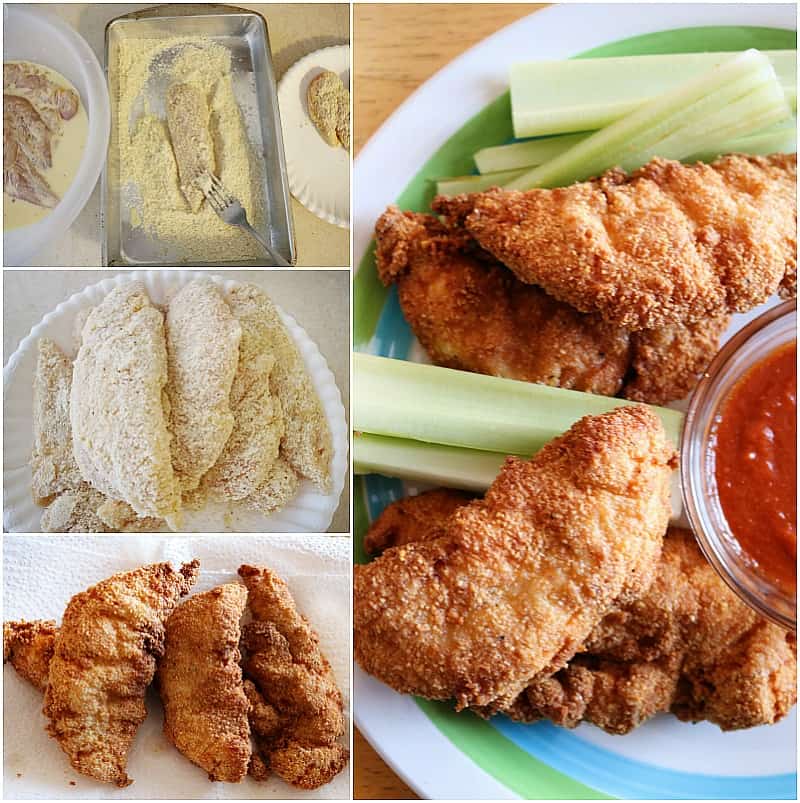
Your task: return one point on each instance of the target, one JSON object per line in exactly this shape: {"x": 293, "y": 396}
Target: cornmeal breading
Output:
{"x": 188, "y": 122}
{"x": 52, "y": 464}
{"x": 200, "y": 680}
{"x": 75, "y": 511}
{"x": 669, "y": 243}
{"x": 120, "y": 437}
{"x": 203, "y": 354}
{"x": 252, "y": 448}
{"x": 104, "y": 660}
{"x": 306, "y": 442}
{"x": 121, "y": 517}
{"x": 278, "y": 488}
{"x": 29, "y": 647}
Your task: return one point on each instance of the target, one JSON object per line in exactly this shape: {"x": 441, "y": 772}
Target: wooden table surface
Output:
{"x": 396, "y": 48}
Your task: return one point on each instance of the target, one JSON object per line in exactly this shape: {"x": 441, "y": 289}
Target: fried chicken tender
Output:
{"x": 688, "y": 645}
{"x": 668, "y": 361}
{"x": 29, "y": 647}
{"x": 104, "y": 660}
{"x": 471, "y": 313}
{"x": 205, "y": 708}
{"x": 416, "y": 518}
{"x": 520, "y": 578}
{"x": 668, "y": 243}
{"x": 296, "y": 706}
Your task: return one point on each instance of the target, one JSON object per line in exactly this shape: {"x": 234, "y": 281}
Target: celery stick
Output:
{"x": 456, "y": 408}
{"x": 754, "y": 111}
{"x": 524, "y": 154}
{"x": 778, "y": 138}
{"x": 682, "y": 106}
{"x": 781, "y": 138}
{"x": 559, "y": 97}
{"x": 447, "y": 466}
{"x": 459, "y": 184}
{"x": 467, "y": 469}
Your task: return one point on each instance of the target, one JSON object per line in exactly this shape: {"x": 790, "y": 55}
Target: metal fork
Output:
{"x": 232, "y": 212}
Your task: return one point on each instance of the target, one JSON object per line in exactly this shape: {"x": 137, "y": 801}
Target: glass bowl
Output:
{"x": 751, "y": 344}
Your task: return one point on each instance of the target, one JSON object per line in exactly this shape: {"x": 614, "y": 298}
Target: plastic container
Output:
{"x": 31, "y": 34}
{"x": 747, "y": 347}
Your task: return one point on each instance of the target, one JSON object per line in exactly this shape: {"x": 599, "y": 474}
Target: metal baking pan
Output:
{"x": 245, "y": 34}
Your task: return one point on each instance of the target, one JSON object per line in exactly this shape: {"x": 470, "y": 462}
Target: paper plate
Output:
{"x": 319, "y": 175}
{"x": 309, "y": 511}
{"x": 438, "y": 753}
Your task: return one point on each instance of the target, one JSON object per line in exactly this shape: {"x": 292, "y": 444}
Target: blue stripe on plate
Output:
{"x": 626, "y": 778}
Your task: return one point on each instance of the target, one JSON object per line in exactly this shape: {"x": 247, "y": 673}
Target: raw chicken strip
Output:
{"x": 54, "y": 102}
{"x": 21, "y": 180}
{"x": 29, "y": 130}
{"x": 120, "y": 437}
{"x": 188, "y": 120}
{"x": 203, "y": 354}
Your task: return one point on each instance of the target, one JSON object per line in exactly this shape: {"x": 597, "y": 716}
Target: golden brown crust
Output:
{"x": 668, "y": 361}
{"x": 296, "y": 706}
{"x": 669, "y": 243}
{"x": 687, "y": 645}
{"x": 521, "y": 577}
{"x": 200, "y": 680}
{"x": 104, "y": 660}
{"x": 469, "y": 312}
{"x": 416, "y": 518}
{"x": 29, "y": 647}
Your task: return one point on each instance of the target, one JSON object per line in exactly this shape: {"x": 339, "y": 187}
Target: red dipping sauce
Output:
{"x": 754, "y": 441}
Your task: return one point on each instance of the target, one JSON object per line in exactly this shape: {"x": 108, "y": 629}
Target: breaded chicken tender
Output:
{"x": 200, "y": 680}
{"x": 520, "y": 578}
{"x": 685, "y": 645}
{"x": 296, "y": 706}
{"x": 259, "y": 422}
{"x": 203, "y": 354}
{"x": 119, "y": 429}
{"x": 668, "y": 361}
{"x": 104, "y": 660}
{"x": 471, "y": 313}
{"x": 688, "y": 645}
{"x": 668, "y": 243}
{"x": 53, "y": 466}
{"x": 29, "y": 647}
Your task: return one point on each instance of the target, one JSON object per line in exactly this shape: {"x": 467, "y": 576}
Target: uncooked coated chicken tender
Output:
{"x": 119, "y": 429}
{"x": 203, "y": 353}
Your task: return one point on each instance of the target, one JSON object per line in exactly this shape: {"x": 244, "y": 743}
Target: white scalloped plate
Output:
{"x": 309, "y": 511}
{"x": 319, "y": 175}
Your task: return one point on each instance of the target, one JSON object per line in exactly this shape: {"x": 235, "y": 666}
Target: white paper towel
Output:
{"x": 41, "y": 573}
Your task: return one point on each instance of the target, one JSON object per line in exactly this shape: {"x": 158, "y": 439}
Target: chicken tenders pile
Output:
{"x": 160, "y": 410}
{"x": 619, "y": 286}
{"x": 116, "y": 637}
{"x": 682, "y": 642}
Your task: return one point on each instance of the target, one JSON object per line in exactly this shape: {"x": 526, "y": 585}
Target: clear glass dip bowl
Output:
{"x": 776, "y": 327}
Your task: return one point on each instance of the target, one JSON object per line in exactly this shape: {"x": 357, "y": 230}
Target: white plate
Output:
{"x": 309, "y": 511}
{"x": 319, "y": 175}
{"x": 696, "y": 759}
